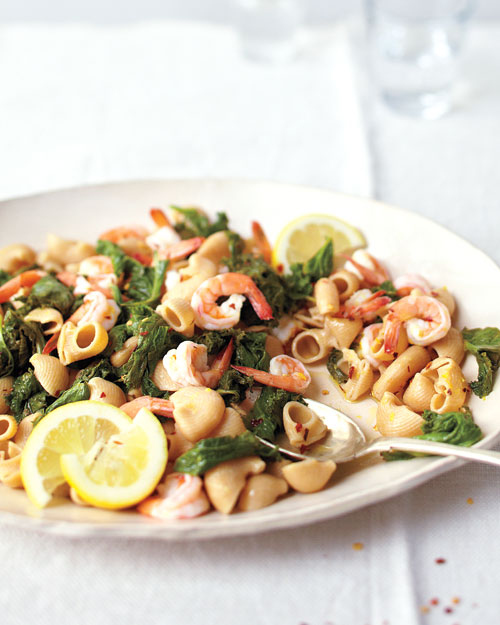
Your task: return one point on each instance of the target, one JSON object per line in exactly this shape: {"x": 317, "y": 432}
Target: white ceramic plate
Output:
{"x": 404, "y": 241}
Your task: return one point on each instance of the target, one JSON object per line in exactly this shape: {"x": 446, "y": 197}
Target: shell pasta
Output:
{"x": 219, "y": 343}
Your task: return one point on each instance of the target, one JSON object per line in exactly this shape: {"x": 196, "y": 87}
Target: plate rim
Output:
{"x": 179, "y": 531}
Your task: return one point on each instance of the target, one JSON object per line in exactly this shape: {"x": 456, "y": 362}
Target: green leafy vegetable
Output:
{"x": 321, "y": 264}
{"x": 214, "y": 340}
{"x": 210, "y": 452}
{"x": 4, "y": 277}
{"x": 143, "y": 284}
{"x": 7, "y": 362}
{"x": 115, "y": 253}
{"x": 155, "y": 339}
{"x": 233, "y": 386}
{"x": 197, "y": 224}
{"x": 484, "y": 343}
{"x": 79, "y": 391}
{"x": 236, "y": 243}
{"x": 334, "y": 370}
{"x": 389, "y": 288}
{"x": 27, "y": 396}
{"x": 454, "y": 428}
{"x": 299, "y": 281}
{"x": 266, "y": 417}
{"x": 49, "y": 292}
{"x": 298, "y": 284}
{"x": 21, "y": 339}
{"x": 98, "y": 369}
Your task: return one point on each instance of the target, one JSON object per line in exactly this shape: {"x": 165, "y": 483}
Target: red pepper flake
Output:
{"x": 280, "y": 268}
{"x": 306, "y": 433}
{"x": 325, "y": 392}
{"x": 302, "y": 448}
{"x": 448, "y": 391}
{"x": 440, "y": 561}
{"x": 298, "y": 427}
{"x": 409, "y": 369}
{"x": 358, "y": 546}
{"x": 255, "y": 422}
{"x": 144, "y": 333}
{"x": 352, "y": 371}
{"x": 434, "y": 601}
{"x": 470, "y": 501}
{"x": 455, "y": 600}
{"x": 103, "y": 394}
{"x": 117, "y": 442}
{"x": 448, "y": 610}
{"x": 424, "y": 609}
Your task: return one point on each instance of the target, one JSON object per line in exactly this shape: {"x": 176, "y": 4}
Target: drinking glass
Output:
{"x": 415, "y": 48}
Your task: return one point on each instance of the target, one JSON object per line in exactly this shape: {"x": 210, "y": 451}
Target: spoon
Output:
{"x": 346, "y": 441}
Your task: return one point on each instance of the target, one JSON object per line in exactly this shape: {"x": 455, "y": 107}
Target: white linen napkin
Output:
{"x": 83, "y": 104}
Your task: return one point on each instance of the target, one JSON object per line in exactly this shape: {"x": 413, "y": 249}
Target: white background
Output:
{"x": 110, "y": 11}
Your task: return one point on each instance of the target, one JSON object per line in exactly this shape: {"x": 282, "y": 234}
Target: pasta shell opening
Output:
{"x": 86, "y": 336}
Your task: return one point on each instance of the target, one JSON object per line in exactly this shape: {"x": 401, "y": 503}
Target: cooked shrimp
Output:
{"x": 25, "y": 279}
{"x": 261, "y": 241}
{"x": 96, "y": 307}
{"x": 365, "y": 305}
{"x": 96, "y": 266}
{"x": 162, "y": 407}
{"x": 122, "y": 233}
{"x": 366, "y": 267}
{"x": 180, "y": 250}
{"x": 181, "y": 496}
{"x": 425, "y": 318}
{"x": 405, "y": 284}
{"x": 284, "y": 372}
{"x": 187, "y": 365}
{"x": 369, "y": 341}
{"x": 210, "y": 316}
{"x": 167, "y": 242}
{"x": 159, "y": 217}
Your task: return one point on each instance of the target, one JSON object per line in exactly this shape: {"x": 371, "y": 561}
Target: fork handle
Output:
{"x": 433, "y": 449}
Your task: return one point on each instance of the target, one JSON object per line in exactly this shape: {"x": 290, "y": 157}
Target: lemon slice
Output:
{"x": 123, "y": 470}
{"x": 77, "y": 429}
{"x": 302, "y": 238}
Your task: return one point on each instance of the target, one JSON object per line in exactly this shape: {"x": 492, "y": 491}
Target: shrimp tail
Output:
{"x": 223, "y": 359}
{"x": 391, "y": 333}
{"x": 182, "y": 249}
{"x": 261, "y": 241}
{"x": 162, "y": 407}
{"x": 25, "y": 279}
{"x": 68, "y": 278}
{"x": 370, "y": 305}
{"x": 159, "y": 217}
{"x": 374, "y": 277}
{"x": 51, "y": 344}
{"x": 291, "y": 383}
{"x": 260, "y": 304}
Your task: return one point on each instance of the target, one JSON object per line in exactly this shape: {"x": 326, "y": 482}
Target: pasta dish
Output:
{"x": 141, "y": 372}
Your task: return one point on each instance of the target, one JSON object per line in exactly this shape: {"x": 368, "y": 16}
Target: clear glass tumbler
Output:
{"x": 414, "y": 48}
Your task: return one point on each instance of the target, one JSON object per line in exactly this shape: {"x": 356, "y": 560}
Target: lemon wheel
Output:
{"x": 302, "y": 238}
{"x": 110, "y": 460}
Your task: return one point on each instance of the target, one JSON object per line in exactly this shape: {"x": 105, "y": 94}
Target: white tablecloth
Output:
{"x": 85, "y": 104}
